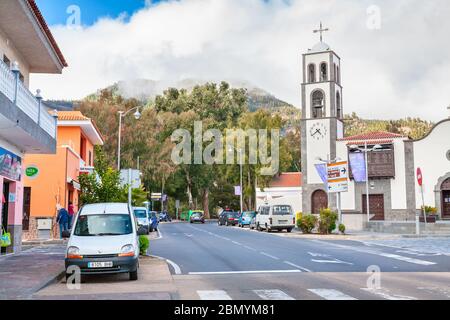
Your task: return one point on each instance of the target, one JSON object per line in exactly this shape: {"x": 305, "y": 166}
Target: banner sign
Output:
{"x": 322, "y": 172}
{"x": 32, "y": 172}
{"x": 10, "y": 165}
{"x": 237, "y": 191}
{"x": 358, "y": 166}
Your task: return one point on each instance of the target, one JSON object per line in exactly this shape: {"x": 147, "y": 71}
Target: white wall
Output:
{"x": 289, "y": 196}
{"x": 316, "y": 148}
{"x": 430, "y": 156}
{"x": 7, "y": 48}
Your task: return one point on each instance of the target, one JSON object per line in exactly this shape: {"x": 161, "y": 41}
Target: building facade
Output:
{"x": 54, "y": 179}
{"x": 394, "y": 194}
{"x": 26, "y": 47}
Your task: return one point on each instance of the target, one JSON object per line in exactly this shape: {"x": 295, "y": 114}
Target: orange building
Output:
{"x": 53, "y": 179}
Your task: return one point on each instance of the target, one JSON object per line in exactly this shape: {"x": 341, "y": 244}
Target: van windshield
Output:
{"x": 140, "y": 214}
{"x": 103, "y": 225}
{"x": 282, "y": 210}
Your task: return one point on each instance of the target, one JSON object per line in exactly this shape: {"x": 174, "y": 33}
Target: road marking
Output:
{"x": 273, "y": 295}
{"x": 331, "y": 294}
{"x": 269, "y": 255}
{"x": 296, "y": 266}
{"x": 249, "y": 248}
{"x": 175, "y": 267}
{"x": 442, "y": 291}
{"x": 213, "y": 295}
{"x": 334, "y": 261}
{"x": 382, "y": 254}
{"x": 385, "y": 294}
{"x": 188, "y": 235}
{"x": 160, "y": 236}
{"x": 244, "y": 272}
{"x": 237, "y": 243}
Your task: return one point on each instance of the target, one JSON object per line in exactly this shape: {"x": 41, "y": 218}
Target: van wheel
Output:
{"x": 267, "y": 229}
{"x": 133, "y": 275}
{"x": 289, "y": 230}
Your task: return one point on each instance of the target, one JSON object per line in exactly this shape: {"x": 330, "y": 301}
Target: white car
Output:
{"x": 143, "y": 218}
{"x": 104, "y": 240}
{"x": 275, "y": 217}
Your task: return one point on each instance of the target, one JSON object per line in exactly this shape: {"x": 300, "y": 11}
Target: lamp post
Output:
{"x": 123, "y": 114}
{"x": 328, "y": 162}
{"x": 366, "y": 151}
{"x": 241, "y": 173}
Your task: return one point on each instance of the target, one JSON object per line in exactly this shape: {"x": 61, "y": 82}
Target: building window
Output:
{"x": 312, "y": 73}
{"x": 318, "y": 104}
{"x": 323, "y": 72}
{"x": 338, "y": 105}
{"x": 7, "y": 61}
{"x": 338, "y": 75}
{"x": 90, "y": 158}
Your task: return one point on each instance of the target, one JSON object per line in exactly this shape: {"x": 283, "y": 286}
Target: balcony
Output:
{"x": 30, "y": 126}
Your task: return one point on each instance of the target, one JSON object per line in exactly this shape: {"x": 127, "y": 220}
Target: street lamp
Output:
{"x": 240, "y": 166}
{"x": 366, "y": 151}
{"x": 123, "y": 114}
{"x": 328, "y": 161}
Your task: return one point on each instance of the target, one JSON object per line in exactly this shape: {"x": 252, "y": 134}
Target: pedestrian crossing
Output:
{"x": 309, "y": 294}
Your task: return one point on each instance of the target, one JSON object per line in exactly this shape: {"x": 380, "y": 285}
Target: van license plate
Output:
{"x": 93, "y": 265}
{"x": 282, "y": 221}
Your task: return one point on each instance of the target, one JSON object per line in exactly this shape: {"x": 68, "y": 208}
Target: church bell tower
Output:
{"x": 322, "y": 113}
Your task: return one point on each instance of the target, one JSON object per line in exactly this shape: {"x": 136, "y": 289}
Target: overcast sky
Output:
{"x": 392, "y": 67}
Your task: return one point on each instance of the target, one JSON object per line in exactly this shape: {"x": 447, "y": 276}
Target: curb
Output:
{"x": 51, "y": 280}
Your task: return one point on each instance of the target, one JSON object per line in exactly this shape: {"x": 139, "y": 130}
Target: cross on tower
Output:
{"x": 321, "y": 30}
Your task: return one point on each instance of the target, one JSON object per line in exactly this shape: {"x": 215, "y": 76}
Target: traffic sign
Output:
{"x": 337, "y": 177}
{"x": 419, "y": 177}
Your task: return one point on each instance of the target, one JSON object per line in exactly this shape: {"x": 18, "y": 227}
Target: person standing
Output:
{"x": 63, "y": 220}
{"x": 71, "y": 212}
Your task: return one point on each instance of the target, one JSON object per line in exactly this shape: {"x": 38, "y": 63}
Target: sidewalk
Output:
{"x": 23, "y": 274}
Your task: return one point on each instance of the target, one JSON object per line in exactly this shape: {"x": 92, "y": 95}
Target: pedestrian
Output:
{"x": 71, "y": 214}
{"x": 63, "y": 220}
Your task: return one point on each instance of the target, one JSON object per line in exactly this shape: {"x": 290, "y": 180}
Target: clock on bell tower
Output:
{"x": 322, "y": 113}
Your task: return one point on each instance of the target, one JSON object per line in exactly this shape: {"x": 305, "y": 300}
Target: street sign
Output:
{"x": 177, "y": 204}
{"x": 419, "y": 177}
{"x": 337, "y": 177}
{"x": 32, "y": 172}
{"x": 156, "y": 196}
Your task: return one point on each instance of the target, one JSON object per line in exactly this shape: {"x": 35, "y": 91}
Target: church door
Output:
{"x": 376, "y": 203}
{"x": 446, "y": 199}
{"x": 319, "y": 201}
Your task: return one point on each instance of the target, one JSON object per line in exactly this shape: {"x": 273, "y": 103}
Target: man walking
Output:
{"x": 63, "y": 220}
{"x": 71, "y": 214}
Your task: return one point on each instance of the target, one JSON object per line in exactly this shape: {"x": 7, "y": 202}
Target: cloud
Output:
{"x": 399, "y": 70}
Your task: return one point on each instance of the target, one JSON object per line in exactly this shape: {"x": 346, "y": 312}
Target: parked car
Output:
{"x": 154, "y": 221}
{"x": 275, "y": 217}
{"x": 143, "y": 218}
{"x": 245, "y": 218}
{"x": 164, "y": 217}
{"x": 228, "y": 218}
{"x": 104, "y": 240}
{"x": 197, "y": 217}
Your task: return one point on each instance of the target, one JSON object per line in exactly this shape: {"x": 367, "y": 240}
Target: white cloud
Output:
{"x": 400, "y": 70}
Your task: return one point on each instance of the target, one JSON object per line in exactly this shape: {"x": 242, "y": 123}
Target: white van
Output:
{"x": 275, "y": 217}
{"x": 143, "y": 218}
{"x": 104, "y": 240}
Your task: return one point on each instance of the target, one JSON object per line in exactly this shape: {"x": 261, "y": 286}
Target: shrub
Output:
{"x": 307, "y": 223}
{"x": 144, "y": 244}
{"x": 430, "y": 210}
{"x": 327, "y": 221}
{"x": 342, "y": 228}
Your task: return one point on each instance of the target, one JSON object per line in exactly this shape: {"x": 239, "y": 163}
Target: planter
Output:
{"x": 430, "y": 219}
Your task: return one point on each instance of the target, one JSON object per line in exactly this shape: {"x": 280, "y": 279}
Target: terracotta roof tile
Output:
{"x": 71, "y": 116}
{"x": 287, "y": 180}
{"x": 47, "y": 31}
{"x": 376, "y": 135}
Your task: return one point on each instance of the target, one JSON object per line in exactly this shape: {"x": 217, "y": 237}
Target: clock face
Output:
{"x": 318, "y": 131}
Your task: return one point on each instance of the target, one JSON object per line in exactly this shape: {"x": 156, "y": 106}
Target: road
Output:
{"x": 212, "y": 262}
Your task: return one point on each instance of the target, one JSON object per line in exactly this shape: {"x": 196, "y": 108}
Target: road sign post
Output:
{"x": 337, "y": 174}
{"x": 420, "y": 182}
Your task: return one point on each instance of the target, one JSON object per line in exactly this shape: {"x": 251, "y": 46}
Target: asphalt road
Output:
{"x": 208, "y": 248}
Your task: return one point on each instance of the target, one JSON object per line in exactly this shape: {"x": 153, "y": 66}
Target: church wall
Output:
{"x": 430, "y": 156}
{"x": 398, "y": 186}
{"x": 325, "y": 87}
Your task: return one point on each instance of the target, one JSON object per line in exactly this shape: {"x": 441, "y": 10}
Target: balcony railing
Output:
{"x": 18, "y": 94}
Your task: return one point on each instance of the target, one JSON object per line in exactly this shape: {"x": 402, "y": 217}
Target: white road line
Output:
{"x": 273, "y": 295}
{"x": 213, "y": 295}
{"x": 385, "y": 294}
{"x": 237, "y": 243}
{"x": 331, "y": 294}
{"x": 175, "y": 267}
{"x": 269, "y": 255}
{"x": 244, "y": 272}
{"x": 334, "y": 261}
{"x": 160, "y": 236}
{"x": 296, "y": 266}
{"x": 249, "y": 248}
{"x": 382, "y": 254}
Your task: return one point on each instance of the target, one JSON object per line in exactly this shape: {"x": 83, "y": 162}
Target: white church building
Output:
{"x": 394, "y": 194}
